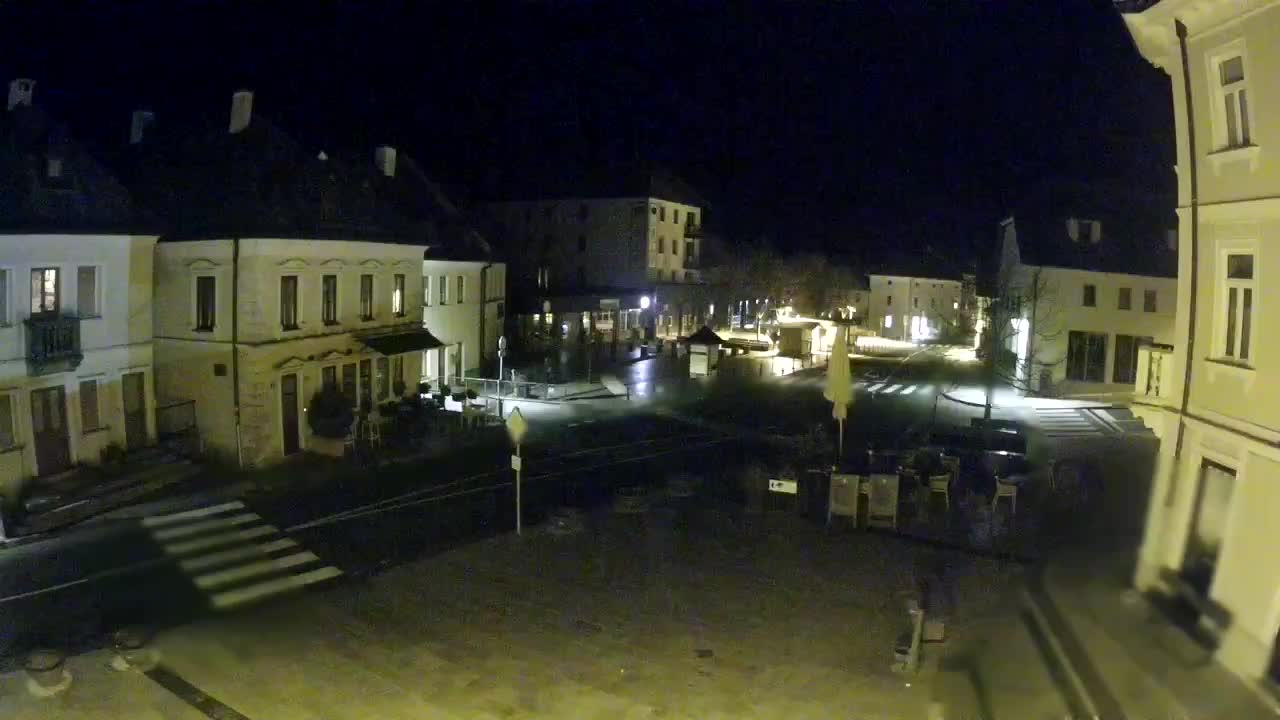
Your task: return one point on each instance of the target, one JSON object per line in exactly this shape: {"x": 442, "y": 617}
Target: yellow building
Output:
{"x": 1212, "y": 399}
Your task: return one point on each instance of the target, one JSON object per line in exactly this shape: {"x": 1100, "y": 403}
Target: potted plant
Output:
{"x": 330, "y": 417}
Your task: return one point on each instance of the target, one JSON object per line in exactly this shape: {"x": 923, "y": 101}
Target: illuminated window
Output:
{"x": 1238, "y": 291}
{"x": 45, "y": 291}
{"x": 426, "y": 290}
{"x": 888, "y": 321}
{"x": 397, "y": 295}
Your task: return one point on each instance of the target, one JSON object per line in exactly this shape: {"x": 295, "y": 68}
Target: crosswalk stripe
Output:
{"x": 203, "y": 526}
{"x": 908, "y": 390}
{"x": 159, "y": 520}
{"x": 254, "y": 569}
{"x": 222, "y": 557}
{"x": 875, "y": 388}
{"x": 859, "y": 384}
{"x": 213, "y": 541}
{"x": 232, "y": 598}
{"x": 891, "y": 390}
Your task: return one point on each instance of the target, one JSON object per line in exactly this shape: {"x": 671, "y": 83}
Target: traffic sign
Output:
{"x": 517, "y": 426}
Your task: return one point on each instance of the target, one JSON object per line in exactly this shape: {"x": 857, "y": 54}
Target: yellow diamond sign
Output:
{"x": 517, "y": 426}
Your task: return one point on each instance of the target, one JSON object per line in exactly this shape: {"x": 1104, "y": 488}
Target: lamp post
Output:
{"x": 502, "y": 352}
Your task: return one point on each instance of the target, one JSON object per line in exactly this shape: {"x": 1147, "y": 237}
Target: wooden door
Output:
{"x": 289, "y": 412}
{"x": 135, "y": 409}
{"x": 49, "y": 429}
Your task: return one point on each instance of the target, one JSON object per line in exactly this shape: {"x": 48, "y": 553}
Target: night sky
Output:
{"x": 845, "y": 127}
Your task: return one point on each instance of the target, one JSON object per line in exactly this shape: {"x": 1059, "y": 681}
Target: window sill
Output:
{"x": 1250, "y": 153}
{"x": 1231, "y": 366}
{"x": 100, "y": 428}
{"x": 202, "y": 330}
{"x": 331, "y": 323}
{"x": 290, "y": 328}
{"x": 367, "y": 319}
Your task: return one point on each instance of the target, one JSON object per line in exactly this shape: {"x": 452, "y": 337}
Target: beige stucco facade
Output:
{"x": 115, "y": 341}
{"x": 1216, "y": 494}
{"x": 604, "y": 242}
{"x": 468, "y": 326}
{"x": 204, "y": 365}
{"x": 912, "y": 308}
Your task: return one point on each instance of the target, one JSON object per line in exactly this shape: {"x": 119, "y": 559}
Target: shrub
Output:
{"x": 330, "y": 414}
{"x": 398, "y": 387}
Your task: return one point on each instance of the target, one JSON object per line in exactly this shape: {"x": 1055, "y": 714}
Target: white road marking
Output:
{"x": 214, "y": 541}
{"x": 254, "y": 569}
{"x": 874, "y": 388}
{"x": 158, "y": 520}
{"x": 199, "y": 527}
{"x": 232, "y": 598}
{"x": 222, "y": 557}
{"x": 891, "y": 390}
{"x": 908, "y": 390}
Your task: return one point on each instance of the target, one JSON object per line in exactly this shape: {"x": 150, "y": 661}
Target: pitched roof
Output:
{"x": 50, "y": 183}
{"x": 1047, "y": 244}
{"x": 705, "y": 336}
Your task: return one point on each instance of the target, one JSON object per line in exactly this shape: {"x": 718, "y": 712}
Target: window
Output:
{"x": 397, "y": 371}
{"x": 888, "y": 321}
{"x": 662, "y": 213}
{"x": 915, "y": 302}
{"x": 89, "y": 417}
{"x": 1086, "y": 356}
{"x": 662, "y": 245}
{"x": 582, "y": 243}
{"x": 1125, "y": 301}
{"x": 397, "y": 295}
{"x": 444, "y": 290}
{"x": 289, "y": 302}
{"x": 675, "y": 216}
{"x": 7, "y": 436}
{"x": 1080, "y": 230}
{"x": 502, "y": 310}
{"x": 1208, "y": 525}
{"x": 1234, "y": 103}
{"x": 1239, "y": 287}
{"x": 329, "y": 376}
{"x": 691, "y": 219}
{"x": 4, "y": 297}
{"x": 583, "y": 211}
{"x": 87, "y": 291}
{"x": 44, "y": 291}
{"x": 582, "y": 276}
{"x": 688, "y": 249}
{"x": 1126, "y": 366}
{"x": 889, "y": 301}
{"x": 349, "y": 382}
{"x": 329, "y": 299}
{"x": 366, "y": 383}
{"x": 426, "y": 290}
{"x": 366, "y": 297}
{"x": 1090, "y": 298}
{"x": 206, "y": 303}
{"x": 1148, "y": 301}
{"x": 461, "y": 297}
{"x": 383, "y": 375}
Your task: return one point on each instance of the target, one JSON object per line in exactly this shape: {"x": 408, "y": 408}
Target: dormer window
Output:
{"x": 1080, "y": 230}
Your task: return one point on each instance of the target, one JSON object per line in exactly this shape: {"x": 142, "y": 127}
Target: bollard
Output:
{"x": 132, "y": 651}
{"x": 46, "y": 670}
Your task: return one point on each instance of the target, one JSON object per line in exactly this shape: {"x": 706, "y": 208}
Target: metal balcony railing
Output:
{"x": 53, "y": 343}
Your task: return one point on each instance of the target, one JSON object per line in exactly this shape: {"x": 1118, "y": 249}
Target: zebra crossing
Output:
{"x": 232, "y": 556}
{"x": 870, "y": 386}
{"x": 1071, "y": 423}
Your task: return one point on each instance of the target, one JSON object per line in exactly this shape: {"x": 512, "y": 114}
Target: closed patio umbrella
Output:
{"x": 839, "y": 389}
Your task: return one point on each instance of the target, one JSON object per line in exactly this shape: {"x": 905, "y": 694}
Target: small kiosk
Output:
{"x": 704, "y": 352}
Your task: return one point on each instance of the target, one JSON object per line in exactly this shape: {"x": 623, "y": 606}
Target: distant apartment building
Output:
{"x": 1084, "y": 300}
{"x": 75, "y": 303}
{"x": 1211, "y": 530}
{"x": 615, "y": 251}
{"x": 915, "y": 307}
{"x": 281, "y": 270}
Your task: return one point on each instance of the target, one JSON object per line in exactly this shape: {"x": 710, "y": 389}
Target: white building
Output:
{"x": 1211, "y": 523}
{"x": 464, "y": 305}
{"x": 912, "y": 308}
{"x": 282, "y": 273}
{"x": 75, "y": 304}
{"x": 1086, "y": 301}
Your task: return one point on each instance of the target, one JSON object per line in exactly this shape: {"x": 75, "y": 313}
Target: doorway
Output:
{"x": 49, "y": 430}
{"x": 289, "y": 412}
{"x": 135, "y": 410}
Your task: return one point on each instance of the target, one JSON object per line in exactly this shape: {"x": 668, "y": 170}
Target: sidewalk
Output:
{"x": 1125, "y": 659}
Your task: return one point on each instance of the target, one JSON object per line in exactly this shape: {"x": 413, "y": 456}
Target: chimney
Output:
{"x": 384, "y": 156}
{"x": 20, "y": 91}
{"x": 142, "y": 119}
{"x": 241, "y": 110}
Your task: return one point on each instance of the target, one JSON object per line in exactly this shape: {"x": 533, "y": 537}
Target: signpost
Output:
{"x": 502, "y": 352}
{"x": 517, "y": 426}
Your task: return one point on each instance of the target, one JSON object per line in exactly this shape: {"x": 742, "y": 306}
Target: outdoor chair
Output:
{"x": 941, "y": 484}
{"x": 1005, "y": 490}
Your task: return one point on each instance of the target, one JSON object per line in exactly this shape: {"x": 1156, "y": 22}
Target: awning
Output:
{"x": 402, "y": 342}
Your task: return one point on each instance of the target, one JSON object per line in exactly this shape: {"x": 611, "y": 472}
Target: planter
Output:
{"x": 46, "y": 672}
{"x": 330, "y": 447}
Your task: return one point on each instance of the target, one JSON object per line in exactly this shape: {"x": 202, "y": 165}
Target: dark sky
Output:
{"x": 822, "y": 125}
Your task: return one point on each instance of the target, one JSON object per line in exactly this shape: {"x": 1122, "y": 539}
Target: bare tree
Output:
{"x": 1020, "y": 323}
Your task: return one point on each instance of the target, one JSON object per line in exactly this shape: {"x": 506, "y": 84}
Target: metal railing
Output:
{"x": 53, "y": 339}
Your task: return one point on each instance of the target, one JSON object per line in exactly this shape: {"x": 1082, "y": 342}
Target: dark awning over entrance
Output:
{"x": 402, "y": 342}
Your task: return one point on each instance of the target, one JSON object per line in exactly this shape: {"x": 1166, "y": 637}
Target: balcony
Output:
{"x": 693, "y": 231}
{"x": 53, "y": 344}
